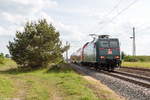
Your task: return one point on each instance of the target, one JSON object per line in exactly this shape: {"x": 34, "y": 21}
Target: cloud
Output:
{"x": 26, "y": 6}
{"x": 15, "y": 13}
{"x": 12, "y": 18}
{"x": 19, "y": 11}
{"x": 76, "y": 19}
{"x": 2, "y": 31}
{"x": 4, "y": 40}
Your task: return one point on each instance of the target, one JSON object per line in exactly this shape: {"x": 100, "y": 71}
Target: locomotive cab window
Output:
{"x": 114, "y": 44}
{"x": 104, "y": 44}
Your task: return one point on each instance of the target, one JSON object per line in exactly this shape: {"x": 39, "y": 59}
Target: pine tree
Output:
{"x": 37, "y": 45}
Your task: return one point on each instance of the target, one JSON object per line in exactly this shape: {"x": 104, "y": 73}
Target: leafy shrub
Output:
{"x": 123, "y": 55}
{"x": 130, "y": 59}
{"x": 1, "y": 58}
{"x": 137, "y": 58}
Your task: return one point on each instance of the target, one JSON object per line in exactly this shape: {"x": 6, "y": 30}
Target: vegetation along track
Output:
{"x": 136, "y": 79}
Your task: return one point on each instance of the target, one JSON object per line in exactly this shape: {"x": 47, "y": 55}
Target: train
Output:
{"x": 102, "y": 53}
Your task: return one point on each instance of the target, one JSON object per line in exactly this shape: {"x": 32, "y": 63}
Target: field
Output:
{"x": 137, "y": 58}
{"x": 137, "y": 64}
{"x": 54, "y": 83}
{"x": 137, "y": 61}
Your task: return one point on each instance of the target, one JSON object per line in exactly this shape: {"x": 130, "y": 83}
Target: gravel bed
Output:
{"x": 126, "y": 89}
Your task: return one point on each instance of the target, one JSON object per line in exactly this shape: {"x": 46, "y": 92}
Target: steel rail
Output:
{"x": 134, "y": 68}
{"x": 134, "y": 75}
{"x": 140, "y": 83}
{"x": 125, "y": 78}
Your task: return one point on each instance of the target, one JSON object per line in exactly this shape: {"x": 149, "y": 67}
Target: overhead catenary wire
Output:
{"x": 110, "y": 12}
{"x": 119, "y": 13}
{"x": 124, "y": 10}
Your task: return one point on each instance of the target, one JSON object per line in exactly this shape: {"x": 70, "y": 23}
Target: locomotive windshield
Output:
{"x": 104, "y": 44}
{"x": 109, "y": 43}
{"x": 114, "y": 44}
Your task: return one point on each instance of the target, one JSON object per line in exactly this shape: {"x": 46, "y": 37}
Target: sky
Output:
{"x": 76, "y": 19}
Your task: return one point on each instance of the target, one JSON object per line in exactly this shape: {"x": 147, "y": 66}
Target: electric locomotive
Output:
{"x": 102, "y": 53}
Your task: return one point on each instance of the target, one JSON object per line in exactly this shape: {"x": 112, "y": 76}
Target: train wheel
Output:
{"x": 112, "y": 69}
{"x": 100, "y": 68}
{"x": 109, "y": 69}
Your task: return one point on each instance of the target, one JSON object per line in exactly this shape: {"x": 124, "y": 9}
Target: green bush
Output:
{"x": 130, "y": 59}
{"x": 37, "y": 46}
{"x": 144, "y": 58}
{"x": 1, "y": 58}
{"x": 137, "y": 58}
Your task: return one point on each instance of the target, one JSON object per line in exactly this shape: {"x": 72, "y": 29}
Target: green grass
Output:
{"x": 137, "y": 64}
{"x": 43, "y": 84}
{"x": 6, "y": 87}
{"x": 55, "y": 83}
{"x": 137, "y": 58}
{"x": 8, "y": 63}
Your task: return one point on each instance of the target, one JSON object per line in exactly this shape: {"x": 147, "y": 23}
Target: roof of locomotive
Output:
{"x": 107, "y": 39}
{"x": 101, "y": 39}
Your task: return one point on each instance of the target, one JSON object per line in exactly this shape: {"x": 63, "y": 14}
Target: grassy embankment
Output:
{"x": 56, "y": 83}
{"x": 137, "y": 64}
{"x": 138, "y": 61}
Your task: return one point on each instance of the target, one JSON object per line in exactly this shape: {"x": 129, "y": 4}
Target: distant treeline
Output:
{"x": 136, "y": 58}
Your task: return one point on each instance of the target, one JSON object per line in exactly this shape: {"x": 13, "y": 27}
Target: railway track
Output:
{"x": 139, "y": 69}
{"x": 139, "y": 80}
{"x": 134, "y": 75}
{"x": 132, "y": 78}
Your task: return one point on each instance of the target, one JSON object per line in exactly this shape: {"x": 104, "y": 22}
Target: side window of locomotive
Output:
{"x": 104, "y": 44}
{"x": 114, "y": 44}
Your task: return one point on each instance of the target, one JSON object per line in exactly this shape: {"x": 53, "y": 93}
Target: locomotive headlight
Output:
{"x": 102, "y": 57}
{"x": 117, "y": 57}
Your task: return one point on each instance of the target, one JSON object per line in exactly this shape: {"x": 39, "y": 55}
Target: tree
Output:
{"x": 37, "y": 45}
{"x": 2, "y": 55}
{"x": 7, "y": 56}
{"x": 123, "y": 55}
{"x": 1, "y": 58}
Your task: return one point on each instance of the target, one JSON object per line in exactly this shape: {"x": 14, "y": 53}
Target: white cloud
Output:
{"x": 37, "y": 5}
{"x": 76, "y": 19}
{"x": 2, "y": 31}
{"x": 11, "y": 17}
{"x": 13, "y": 20}
{"x": 26, "y": 7}
{"x": 41, "y": 3}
